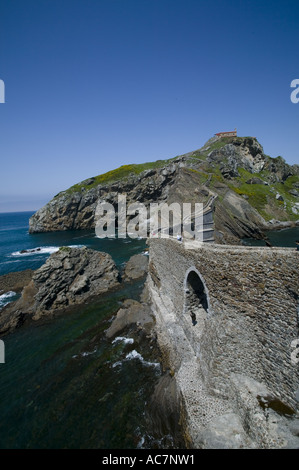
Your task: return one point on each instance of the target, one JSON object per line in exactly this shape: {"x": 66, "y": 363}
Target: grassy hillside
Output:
{"x": 263, "y": 197}
{"x": 121, "y": 173}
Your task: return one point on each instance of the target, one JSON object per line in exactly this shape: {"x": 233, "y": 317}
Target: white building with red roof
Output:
{"x": 227, "y": 134}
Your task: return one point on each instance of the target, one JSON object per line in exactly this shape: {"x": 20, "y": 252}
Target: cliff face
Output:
{"x": 253, "y": 189}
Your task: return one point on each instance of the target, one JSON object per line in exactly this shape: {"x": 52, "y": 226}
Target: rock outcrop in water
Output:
{"x": 132, "y": 312}
{"x": 70, "y": 277}
{"x": 136, "y": 267}
{"x": 254, "y": 191}
{"x": 15, "y": 281}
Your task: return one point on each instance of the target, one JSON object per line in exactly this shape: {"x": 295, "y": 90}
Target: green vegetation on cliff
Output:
{"x": 235, "y": 169}
{"x": 263, "y": 196}
{"x": 121, "y": 173}
{"x": 260, "y": 196}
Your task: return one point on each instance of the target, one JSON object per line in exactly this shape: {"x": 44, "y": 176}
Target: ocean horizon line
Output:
{"x": 18, "y": 212}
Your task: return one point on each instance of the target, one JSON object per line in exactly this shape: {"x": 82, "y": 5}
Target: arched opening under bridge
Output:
{"x": 196, "y": 296}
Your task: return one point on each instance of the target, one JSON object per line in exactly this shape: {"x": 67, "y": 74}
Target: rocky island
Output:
{"x": 253, "y": 192}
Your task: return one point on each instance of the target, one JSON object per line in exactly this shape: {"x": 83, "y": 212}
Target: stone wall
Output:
{"x": 251, "y": 317}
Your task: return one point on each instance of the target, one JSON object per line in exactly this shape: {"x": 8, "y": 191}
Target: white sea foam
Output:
{"x": 10, "y": 261}
{"x": 85, "y": 353}
{"x": 7, "y": 295}
{"x": 5, "y": 298}
{"x": 41, "y": 250}
{"x": 36, "y": 251}
{"x": 118, "y": 363}
{"x": 135, "y": 355}
{"x": 88, "y": 353}
{"x": 124, "y": 339}
{"x": 141, "y": 442}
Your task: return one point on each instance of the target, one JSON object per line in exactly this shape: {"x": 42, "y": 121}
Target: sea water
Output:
{"x": 20, "y": 250}
{"x": 64, "y": 384}
{"x": 285, "y": 237}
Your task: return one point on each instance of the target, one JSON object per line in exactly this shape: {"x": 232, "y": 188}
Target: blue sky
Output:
{"x": 94, "y": 84}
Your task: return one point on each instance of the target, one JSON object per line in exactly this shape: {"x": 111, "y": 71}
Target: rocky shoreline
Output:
{"x": 165, "y": 408}
{"x": 15, "y": 281}
{"x": 72, "y": 277}
{"x": 69, "y": 278}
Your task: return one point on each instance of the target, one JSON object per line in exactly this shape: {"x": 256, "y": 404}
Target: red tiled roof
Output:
{"x": 226, "y": 132}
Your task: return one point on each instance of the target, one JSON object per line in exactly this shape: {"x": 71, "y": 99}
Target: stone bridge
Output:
{"x": 235, "y": 367}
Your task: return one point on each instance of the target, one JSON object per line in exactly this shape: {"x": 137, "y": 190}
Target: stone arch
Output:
{"x": 196, "y": 292}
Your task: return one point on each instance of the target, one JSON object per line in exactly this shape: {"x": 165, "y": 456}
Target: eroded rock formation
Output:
{"x": 70, "y": 277}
